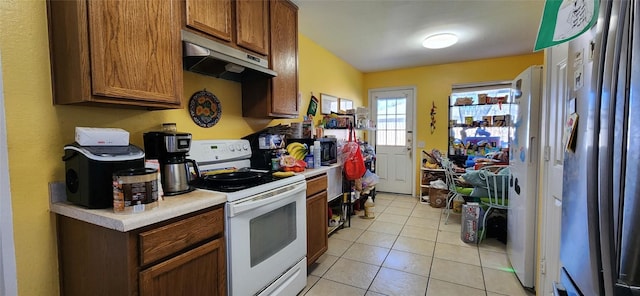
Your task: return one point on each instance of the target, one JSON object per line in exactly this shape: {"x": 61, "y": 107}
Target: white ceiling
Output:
{"x": 376, "y": 35}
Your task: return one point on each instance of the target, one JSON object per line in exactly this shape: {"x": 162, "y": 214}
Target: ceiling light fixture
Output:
{"x": 440, "y": 40}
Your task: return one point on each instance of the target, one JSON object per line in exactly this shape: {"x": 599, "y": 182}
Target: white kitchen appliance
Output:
{"x": 265, "y": 225}
{"x": 523, "y": 183}
{"x": 93, "y": 136}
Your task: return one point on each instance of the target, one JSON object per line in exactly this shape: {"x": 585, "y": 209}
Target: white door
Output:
{"x": 553, "y": 115}
{"x": 393, "y": 113}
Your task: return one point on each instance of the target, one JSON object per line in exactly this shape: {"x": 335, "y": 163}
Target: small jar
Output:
{"x": 169, "y": 127}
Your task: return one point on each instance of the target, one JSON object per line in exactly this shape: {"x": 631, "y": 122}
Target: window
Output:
{"x": 480, "y": 114}
{"x": 391, "y": 122}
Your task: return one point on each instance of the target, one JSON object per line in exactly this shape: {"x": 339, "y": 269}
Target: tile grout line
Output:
{"x": 385, "y": 258}
{"x": 396, "y": 237}
{"x": 440, "y": 223}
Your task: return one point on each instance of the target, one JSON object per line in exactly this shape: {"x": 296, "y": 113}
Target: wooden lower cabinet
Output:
{"x": 181, "y": 256}
{"x": 317, "y": 241}
{"x": 317, "y": 238}
{"x": 200, "y": 271}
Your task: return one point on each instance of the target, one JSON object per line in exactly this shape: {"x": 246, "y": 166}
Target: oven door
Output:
{"x": 266, "y": 236}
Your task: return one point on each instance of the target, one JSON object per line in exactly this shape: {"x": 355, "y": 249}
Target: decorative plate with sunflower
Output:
{"x": 205, "y": 108}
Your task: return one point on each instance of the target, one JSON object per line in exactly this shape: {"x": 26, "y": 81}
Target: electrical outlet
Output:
{"x": 420, "y": 144}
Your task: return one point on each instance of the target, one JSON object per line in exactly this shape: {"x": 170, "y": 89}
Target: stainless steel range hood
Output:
{"x": 208, "y": 57}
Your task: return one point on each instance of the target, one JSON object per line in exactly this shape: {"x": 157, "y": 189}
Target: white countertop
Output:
{"x": 308, "y": 173}
{"x": 170, "y": 207}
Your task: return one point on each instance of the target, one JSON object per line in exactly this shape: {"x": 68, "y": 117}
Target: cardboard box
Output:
{"x": 92, "y": 136}
{"x": 499, "y": 120}
{"x": 487, "y": 120}
{"x": 482, "y": 99}
{"x": 468, "y": 120}
{"x": 470, "y": 220}
{"x": 438, "y": 197}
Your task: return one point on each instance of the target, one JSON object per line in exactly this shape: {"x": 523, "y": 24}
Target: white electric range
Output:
{"x": 265, "y": 226}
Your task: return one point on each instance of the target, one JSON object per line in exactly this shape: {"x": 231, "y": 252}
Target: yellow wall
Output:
{"x": 433, "y": 85}
{"x": 38, "y": 130}
{"x": 323, "y": 72}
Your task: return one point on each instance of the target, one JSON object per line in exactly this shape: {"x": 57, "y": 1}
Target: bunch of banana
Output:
{"x": 297, "y": 150}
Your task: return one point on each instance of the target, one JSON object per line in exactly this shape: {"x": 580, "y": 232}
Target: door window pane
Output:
{"x": 391, "y": 121}
{"x": 401, "y": 122}
{"x": 382, "y": 122}
{"x": 380, "y": 137}
{"x": 391, "y": 137}
{"x": 401, "y": 138}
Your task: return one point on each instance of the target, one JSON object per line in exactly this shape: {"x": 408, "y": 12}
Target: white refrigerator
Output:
{"x": 523, "y": 183}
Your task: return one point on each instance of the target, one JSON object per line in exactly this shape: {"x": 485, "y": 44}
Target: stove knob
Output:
{"x": 238, "y": 147}
{"x": 245, "y": 147}
{"x": 231, "y": 148}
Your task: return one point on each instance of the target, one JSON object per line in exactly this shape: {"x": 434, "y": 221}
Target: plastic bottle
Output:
{"x": 316, "y": 155}
{"x": 369, "y": 208}
{"x": 310, "y": 160}
{"x": 458, "y": 201}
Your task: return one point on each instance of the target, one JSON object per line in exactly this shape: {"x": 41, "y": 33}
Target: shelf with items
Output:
{"x": 337, "y": 121}
{"x": 342, "y": 121}
{"x": 339, "y": 212}
{"x": 365, "y": 186}
{"x": 479, "y": 121}
{"x": 368, "y": 190}
{"x": 428, "y": 175}
{"x": 430, "y": 170}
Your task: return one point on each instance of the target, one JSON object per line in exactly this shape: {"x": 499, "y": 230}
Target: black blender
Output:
{"x": 170, "y": 148}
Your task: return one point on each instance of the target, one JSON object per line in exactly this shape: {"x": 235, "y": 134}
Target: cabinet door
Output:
{"x": 135, "y": 49}
{"x": 317, "y": 220}
{"x": 252, "y": 24}
{"x": 211, "y": 17}
{"x": 284, "y": 58}
{"x": 201, "y": 271}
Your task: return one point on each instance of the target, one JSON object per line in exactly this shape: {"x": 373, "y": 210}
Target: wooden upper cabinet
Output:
{"x": 119, "y": 52}
{"x": 277, "y": 97}
{"x": 252, "y": 25}
{"x": 211, "y": 17}
{"x": 238, "y": 23}
{"x": 284, "y": 57}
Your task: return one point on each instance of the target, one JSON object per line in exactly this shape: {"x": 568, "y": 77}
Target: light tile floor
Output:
{"x": 408, "y": 250}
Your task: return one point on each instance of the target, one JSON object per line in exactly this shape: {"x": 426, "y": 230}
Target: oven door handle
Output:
{"x": 265, "y": 199}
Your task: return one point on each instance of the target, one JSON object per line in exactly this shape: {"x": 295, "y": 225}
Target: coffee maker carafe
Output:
{"x": 170, "y": 149}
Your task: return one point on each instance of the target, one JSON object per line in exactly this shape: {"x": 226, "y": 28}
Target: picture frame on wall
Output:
{"x": 345, "y": 104}
{"x": 328, "y": 104}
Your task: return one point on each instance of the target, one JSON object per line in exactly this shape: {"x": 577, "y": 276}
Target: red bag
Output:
{"x": 353, "y": 165}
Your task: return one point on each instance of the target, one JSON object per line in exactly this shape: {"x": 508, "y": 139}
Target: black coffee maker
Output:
{"x": 265, "y": 149}
{"x": 170, "y": 149}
